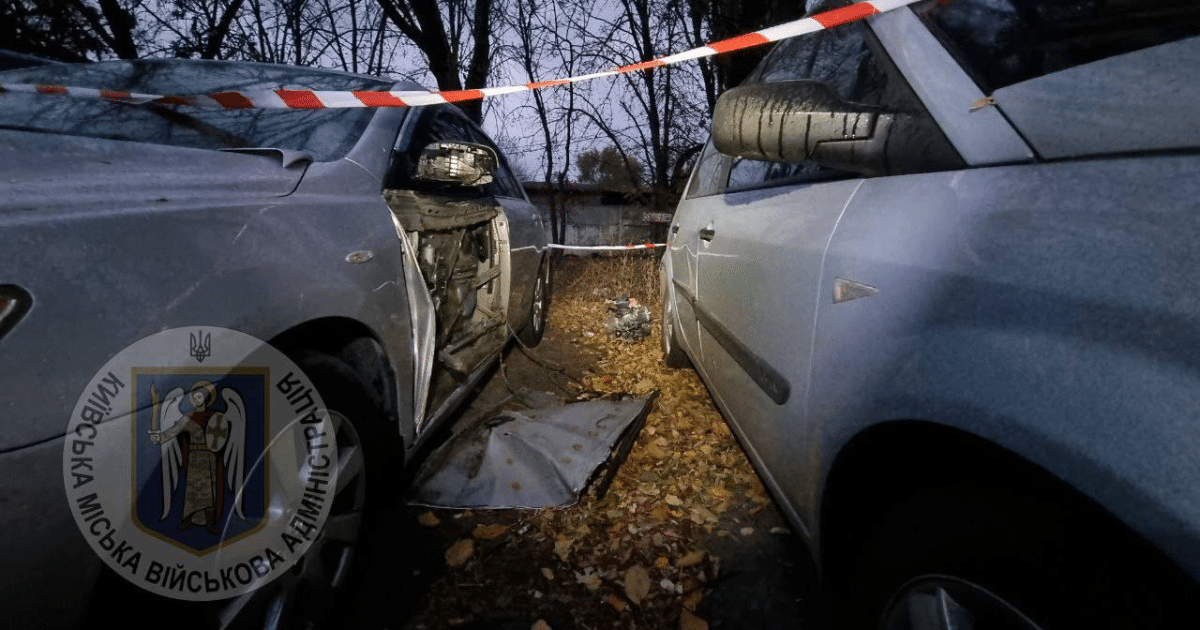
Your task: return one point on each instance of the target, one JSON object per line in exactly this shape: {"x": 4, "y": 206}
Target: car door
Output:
{"x": 683, "y": 244}
{"x": 459, "y": 269}
{"x": 760, "y": 257}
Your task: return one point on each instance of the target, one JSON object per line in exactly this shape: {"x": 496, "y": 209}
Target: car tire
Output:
{"x": 531, "y": 333}
{"x": 1003, "y": 557}
{"x": 673, "y": 355}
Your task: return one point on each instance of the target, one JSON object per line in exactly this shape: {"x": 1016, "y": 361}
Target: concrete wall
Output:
{"x": 596, "y": 217}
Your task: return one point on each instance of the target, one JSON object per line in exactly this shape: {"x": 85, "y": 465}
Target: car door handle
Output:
{"x": 674, "y": 229}
{"x": 707, "y": 234}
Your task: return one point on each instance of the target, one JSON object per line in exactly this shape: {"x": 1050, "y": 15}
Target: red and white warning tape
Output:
{"x": 605, "y": 248}
{"x": 319, "y": 99}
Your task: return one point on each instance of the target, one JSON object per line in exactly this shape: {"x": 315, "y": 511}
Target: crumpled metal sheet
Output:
{"x": 533, "y": 458}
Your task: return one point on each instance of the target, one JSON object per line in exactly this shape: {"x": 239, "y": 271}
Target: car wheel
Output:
{"x": 673, "y": 355}
{"x": 310, "y": 594}
{"x": 938, "y": 602}
{"x": 535, "y": 323}
{"x": 966, "y": 556}
{"x": 313, "y": 593}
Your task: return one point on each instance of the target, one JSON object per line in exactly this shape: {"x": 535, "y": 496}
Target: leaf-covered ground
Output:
{"x": 685, "y": 537}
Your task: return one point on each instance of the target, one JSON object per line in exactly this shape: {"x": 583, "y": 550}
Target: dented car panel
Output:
{"x": 115, "y": 237}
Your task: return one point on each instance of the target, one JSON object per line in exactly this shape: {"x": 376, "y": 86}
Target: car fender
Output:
{"x": 136, "y": 268}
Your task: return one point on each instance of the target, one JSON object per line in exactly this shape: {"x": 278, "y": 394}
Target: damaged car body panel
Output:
{"x": 460, "y": 248}
{"x": 310, "y": 231}
{"x": 535, "y": 453}
{"x": 477, "y": 241}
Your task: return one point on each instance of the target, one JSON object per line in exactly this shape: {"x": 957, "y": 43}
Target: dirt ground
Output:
{"x": 685, "y": 537}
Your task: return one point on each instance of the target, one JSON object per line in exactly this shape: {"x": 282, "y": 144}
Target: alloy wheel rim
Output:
{"x": 538, "y": 302}
{"x": 307, "y": 593}
{"x": 940, "y": 602}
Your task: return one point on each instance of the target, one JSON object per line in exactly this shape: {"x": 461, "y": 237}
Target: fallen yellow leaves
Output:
{"x": 460, "y": 552}
{"x": 638, "y": 555}
{"x": 490, "y": 532}
{"x": 691, "y": 559}
{"x": 562, "y": 547}
{"x": 637, "y": 584}
{"x": 689, "y": 621}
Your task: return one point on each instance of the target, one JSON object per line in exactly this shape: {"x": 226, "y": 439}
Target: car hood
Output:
{"x": 43, "y": 170}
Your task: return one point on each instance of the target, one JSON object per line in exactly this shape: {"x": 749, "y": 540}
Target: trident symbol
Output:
{"x": 201, "y": 346}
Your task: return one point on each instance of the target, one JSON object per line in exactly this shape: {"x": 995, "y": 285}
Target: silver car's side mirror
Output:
{"x": 461, "y": 163}
{"x": 796, "y": 121}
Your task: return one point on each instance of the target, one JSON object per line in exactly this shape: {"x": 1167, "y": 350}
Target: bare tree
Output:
{"x": 610, "y": 168}
{"x": 444, "y": 39}
{"x": 70, "y": 30}
{"x": 189, "y": 28}
{"x": 46, "y": 28}
{"x": 711, "y": 20}
{"x": 546, "y": 34}
{"x": 114, "y": 24}
{"x": 653, "y": 117}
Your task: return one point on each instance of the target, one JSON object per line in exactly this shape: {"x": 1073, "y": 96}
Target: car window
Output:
{"x": 325, "y": 134}
{"x": 854, "y": 65}
{"x": 1002, "y": 42}
{"x": 710, "y": 173}
{"x": 506, "y": 184}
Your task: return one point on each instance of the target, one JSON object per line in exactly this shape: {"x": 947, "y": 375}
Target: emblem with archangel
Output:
{"x": 196, "y": 487}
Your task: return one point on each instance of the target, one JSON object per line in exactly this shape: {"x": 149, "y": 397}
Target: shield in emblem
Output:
{"x": 196, "y": 430}
{"x": 216, "y": 434}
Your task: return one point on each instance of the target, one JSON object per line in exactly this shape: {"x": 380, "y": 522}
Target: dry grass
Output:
{"x": 626, "y": 274}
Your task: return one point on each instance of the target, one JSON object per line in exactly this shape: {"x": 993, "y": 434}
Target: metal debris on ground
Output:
{"x": 628, "y": 320}
{"x": 540, "y": 456}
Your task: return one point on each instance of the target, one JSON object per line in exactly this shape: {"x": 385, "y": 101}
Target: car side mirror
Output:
{"x": 796, "y": 121}
{"x": 459, "y": 163}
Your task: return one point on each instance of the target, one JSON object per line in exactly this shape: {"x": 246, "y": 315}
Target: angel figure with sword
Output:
{"x": 206, "y": 445}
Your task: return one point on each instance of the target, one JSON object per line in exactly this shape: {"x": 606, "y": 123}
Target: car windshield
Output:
{"x": 325, "y": 134}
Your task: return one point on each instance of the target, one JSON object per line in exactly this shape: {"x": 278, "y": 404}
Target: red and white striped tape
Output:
{"x": 605, "y": 248}
{"x": 319, "y": 99}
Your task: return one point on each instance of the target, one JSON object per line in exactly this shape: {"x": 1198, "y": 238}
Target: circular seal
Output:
{"x": 200, "y": 463}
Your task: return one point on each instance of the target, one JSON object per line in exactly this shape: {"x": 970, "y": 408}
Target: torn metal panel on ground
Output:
{"x": 542, "y": 456}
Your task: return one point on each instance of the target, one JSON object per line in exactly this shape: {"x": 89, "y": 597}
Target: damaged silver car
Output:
{"x": 385, "y": 255}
